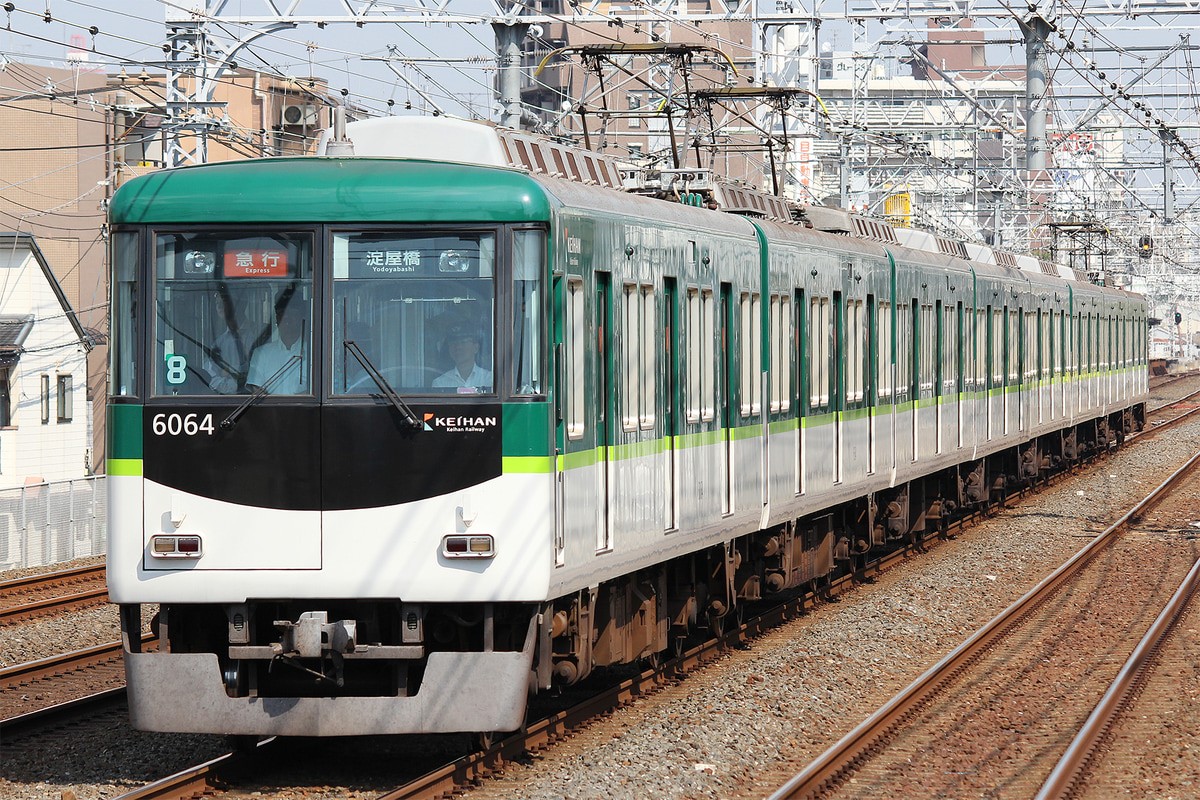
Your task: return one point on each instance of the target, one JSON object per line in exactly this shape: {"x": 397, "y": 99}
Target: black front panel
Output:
{"x": 270, "y": 458}
{"x": 308, "y": 457}
{"x": 371, "y": 461}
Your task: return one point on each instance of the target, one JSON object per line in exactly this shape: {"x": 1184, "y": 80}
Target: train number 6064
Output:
{"x": 180, "y": 424}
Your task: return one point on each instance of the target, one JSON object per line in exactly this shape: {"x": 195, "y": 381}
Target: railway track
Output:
{"x": 50, "y": 593}
{"x": 1000, "y": 709}
{"x": 1118, "y": 722}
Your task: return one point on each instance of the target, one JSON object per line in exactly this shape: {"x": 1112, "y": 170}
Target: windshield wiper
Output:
{"x": 409, "y": 416}
{"x": 259, "y": 393}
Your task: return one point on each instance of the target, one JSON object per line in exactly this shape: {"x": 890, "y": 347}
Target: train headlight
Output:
{"x": 478, "y": 546}
{"x": 176, "y": 547}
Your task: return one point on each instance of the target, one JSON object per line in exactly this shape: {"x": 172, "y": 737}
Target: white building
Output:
{"x": 45, "y": 421}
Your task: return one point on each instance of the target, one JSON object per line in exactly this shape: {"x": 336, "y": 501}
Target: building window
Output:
{"x": 45, "y": 399}
{"x": 5, "y": 399}
{"x": 64, "y": 398}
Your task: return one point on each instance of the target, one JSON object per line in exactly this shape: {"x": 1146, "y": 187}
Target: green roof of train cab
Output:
{"x": 313, "y": 189}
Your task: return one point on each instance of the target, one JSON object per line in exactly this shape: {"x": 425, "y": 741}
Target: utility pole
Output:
{"x": 1036, "y": 31}
{"x": 509, "y": 35}
{"x": 1168, "y": 177}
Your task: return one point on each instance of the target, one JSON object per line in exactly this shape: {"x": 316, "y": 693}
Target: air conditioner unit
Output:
{"x": 305, "y": 114}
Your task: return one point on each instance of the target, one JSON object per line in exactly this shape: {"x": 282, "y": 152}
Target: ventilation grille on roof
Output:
{"x": 1005, "y": 259}
{"x": 544, "y": 157}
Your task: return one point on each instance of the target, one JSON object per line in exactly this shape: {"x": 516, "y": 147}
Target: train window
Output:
{"x": 528, "y": 303}
{"x": 631, "y": 374}
{"x": 883, "y": 377}
{"x": 420, "y": 306}
{"x": 751, "y": 354}
{"x": 693, "y": 355}
{"x": 820, "y": 332}
{"x": 786, "y": 345}
{"x": 122, "y": 378}
{"x": 854, "y": 351}
{"x": 233, "y": 313}
{"x": 997, "y": 354}
{"x": 707, "y": 388}
{"x": 1012, "y": 357}
{"x": 576, "y": 341}
{"x": 781, "y": 331}
{"x": 649, "y": 357}
{"x": 700, "y": 402}
{"x": 927, "y": 354}
{"x": 904, "y": 351}
{"x": 979, "y": 369}
{"x": 950, "y": 349}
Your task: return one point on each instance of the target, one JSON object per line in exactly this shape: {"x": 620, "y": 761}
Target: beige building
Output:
{"x": 70, "y": 137}
{"x": 53, "y": 135}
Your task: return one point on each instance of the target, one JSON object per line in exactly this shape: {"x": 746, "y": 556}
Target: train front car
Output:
{"x": 329, "y": 444}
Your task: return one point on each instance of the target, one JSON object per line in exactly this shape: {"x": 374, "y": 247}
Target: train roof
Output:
{"x": 328, "y": 189}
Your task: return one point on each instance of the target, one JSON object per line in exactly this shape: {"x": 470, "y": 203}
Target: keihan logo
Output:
{"x": 459, "y": 424}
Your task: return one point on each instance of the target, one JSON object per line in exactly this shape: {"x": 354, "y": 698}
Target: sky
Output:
{"x": 346, "y": 55}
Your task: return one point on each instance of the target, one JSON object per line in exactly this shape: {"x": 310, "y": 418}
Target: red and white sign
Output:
{"x": 249, "y": 263}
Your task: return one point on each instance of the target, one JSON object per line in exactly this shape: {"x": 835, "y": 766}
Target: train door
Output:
{"x": 939, "y": 376}
{"x": 917, "y": 333}
{"x": 871, "y": 389}
{"x": 670, "y": 403}
{"x": 572, "y": 377}
{"x": 1007, "y": 364}
{"x": 837, "y": 400}
{"x": 1042, "y": 355}
{"x": 803, "y": 375}
{"x": 605, "y": 412}
{"x": 725, "y": 411}
{"x": 1051, "y": 363}
{"x": 959, "y": 368}
{"x": 991, "y": 368}
{"x": 1020, "y": 321}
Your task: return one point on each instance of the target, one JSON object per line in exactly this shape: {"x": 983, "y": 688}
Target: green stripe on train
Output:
{"x": 131, "y": 467}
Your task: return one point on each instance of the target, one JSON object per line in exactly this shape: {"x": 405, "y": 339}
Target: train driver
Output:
{"x": 224, "y": 363}
{"x": 284, "y": 354}
{"x": 465, "y": 376}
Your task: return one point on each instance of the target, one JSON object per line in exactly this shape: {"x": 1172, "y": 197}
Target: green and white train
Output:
{"x": 398, "y": 438}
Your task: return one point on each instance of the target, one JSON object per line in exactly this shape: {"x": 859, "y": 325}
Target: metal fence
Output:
{"x": 49, "y": 523}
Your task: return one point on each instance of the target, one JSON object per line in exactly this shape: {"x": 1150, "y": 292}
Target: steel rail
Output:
{"x": 27, "y": 582}
{"x": 197, "y": 781}
{"x": 64, "y": 663}
{"x": 1069, "y": 770}
{"x": 840, "y": 759}
{"x": 63, "y": 713}
{"x": 53, "y": 605}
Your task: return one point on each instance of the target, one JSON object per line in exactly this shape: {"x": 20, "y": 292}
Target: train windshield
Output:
{"x": 233, "y": 313}
{"x": 419, "y": 306}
